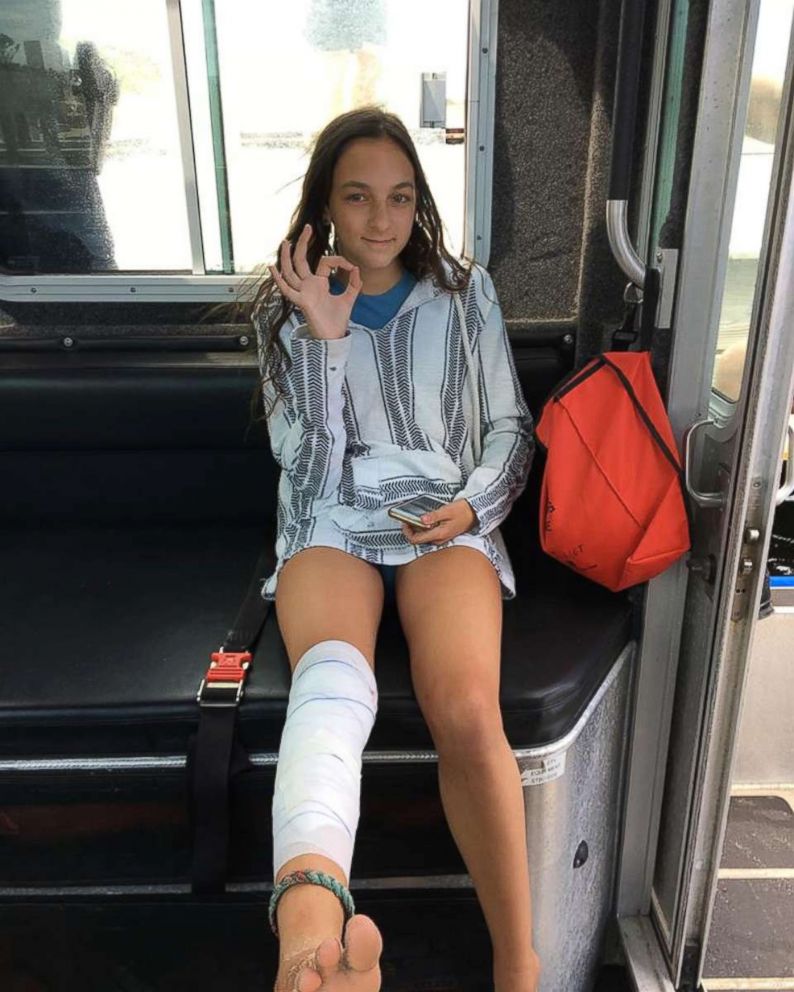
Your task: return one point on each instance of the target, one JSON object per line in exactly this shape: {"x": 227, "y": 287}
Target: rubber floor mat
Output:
{"x": 759, "y": 834}
{"x": 751, "y": 931}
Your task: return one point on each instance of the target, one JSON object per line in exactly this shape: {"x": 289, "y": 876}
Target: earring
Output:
{"x": 331, "y": 237}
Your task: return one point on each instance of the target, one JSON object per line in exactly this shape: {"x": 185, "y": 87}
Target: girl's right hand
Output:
{"x": 327, "y": 314}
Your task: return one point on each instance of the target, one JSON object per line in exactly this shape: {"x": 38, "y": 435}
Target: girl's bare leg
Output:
{"x": 325, "y": 594}
{"x": 451, "y": 612}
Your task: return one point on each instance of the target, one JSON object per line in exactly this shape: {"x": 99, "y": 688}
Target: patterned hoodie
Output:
{"x": 379, "y": 416}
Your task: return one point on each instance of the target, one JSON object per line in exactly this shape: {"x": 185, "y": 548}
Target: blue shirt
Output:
{"x": 375, "y": 310}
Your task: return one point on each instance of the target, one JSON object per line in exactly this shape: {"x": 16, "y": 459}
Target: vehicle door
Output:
{"x": 727, "y": 304}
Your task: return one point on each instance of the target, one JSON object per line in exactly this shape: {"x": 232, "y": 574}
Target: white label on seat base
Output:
{"x": 547, "y": 770}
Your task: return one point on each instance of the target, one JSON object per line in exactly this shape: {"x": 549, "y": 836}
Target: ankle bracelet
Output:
{"x": 310, "y": 878}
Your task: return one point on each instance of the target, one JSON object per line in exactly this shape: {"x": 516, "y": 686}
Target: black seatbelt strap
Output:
{"x": 629, "y": 334}
{"x": 625, "y": 336}
{"x": 216, "y": 754}
{"x": 650, "y": 303}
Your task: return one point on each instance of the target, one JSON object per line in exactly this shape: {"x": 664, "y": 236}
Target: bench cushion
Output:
{"x": 108, "y": 630}
{"x": 122, "y": 568}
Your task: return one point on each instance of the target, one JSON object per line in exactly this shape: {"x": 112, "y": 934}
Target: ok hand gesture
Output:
{"x": 328, "y": 315}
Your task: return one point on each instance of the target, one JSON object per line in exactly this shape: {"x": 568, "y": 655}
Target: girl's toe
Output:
{"x": 363, "y": 944}
{"x": 309, "y": 981}
{"x": 329, "y": 957}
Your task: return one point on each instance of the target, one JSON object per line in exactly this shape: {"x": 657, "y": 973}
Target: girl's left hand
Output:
{"x": 447, "y": 522}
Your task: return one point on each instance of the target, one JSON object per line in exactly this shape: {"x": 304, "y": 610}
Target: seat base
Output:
{"x": 572, "y": 799}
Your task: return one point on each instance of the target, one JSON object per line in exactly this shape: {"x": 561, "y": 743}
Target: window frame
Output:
{"x": 205, "y": 287}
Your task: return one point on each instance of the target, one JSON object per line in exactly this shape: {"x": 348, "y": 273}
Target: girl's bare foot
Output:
{"x": 333, "y": 968}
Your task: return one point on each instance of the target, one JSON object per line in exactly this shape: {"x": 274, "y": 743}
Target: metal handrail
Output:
{"x": 622, "y": 248}
{"x": 624, "y": 116}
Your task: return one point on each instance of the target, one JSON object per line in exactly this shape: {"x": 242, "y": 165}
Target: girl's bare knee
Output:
{"x": 326, "y": 594}
{"x": 465, "y": 724}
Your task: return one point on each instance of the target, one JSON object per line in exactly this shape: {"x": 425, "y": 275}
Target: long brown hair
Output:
{"x": 424, "y": 255}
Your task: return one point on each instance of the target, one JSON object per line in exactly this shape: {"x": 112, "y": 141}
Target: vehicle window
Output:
{"x": 149, "y": 136}
{"x": 752, "y": 194}
{"x": 90, "y": 168}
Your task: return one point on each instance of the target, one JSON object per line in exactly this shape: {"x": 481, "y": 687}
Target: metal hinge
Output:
{"x": 667, "y": 263}
{"x": 748, "y": 563}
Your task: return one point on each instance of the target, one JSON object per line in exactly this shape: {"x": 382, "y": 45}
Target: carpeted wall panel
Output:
{"x": 555, "y": 88}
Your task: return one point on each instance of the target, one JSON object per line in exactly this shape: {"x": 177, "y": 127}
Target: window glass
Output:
{"x": 90, "y": 169}
{"x": 92, "y": 176}
{"x": 280, "y": 87}
{"x": 752, "y": 194}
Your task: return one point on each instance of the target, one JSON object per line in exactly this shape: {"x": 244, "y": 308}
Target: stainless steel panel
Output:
{"x": 577, "y": 809}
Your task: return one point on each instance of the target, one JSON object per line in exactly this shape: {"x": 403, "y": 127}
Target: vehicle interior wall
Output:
{"x": 554, "y": 101}
{"x": 550, "y": 257}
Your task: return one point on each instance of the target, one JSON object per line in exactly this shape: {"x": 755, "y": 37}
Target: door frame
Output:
{"x": 655, "y": 950}
{"x": 707, "y": 225}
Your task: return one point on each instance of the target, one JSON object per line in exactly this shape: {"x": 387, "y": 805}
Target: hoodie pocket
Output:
{"x": 366, "y": 482}
{"x": 394, "y": 475}
{"x": 397, "y": 474}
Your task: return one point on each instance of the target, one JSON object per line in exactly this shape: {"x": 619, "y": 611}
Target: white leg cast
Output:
{"x": 316, "y": 801}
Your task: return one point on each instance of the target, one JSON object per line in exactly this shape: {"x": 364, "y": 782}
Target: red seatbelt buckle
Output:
{"x": 223, "y": 683}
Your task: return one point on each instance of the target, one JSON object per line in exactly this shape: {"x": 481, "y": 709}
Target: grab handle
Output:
{"x": 620, "y": 242}
{"x": 702, "y": 499}
{"x": 624, "y": 117}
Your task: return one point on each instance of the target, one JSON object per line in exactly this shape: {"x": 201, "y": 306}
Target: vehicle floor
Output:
{"x": 751, "y": 942}
{"x": 436, "y": 944}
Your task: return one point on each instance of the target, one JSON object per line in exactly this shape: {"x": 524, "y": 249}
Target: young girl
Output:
{"x": 370, "y": 402}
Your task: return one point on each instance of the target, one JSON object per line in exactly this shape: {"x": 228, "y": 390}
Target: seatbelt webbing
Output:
{"x": 217, "y": 754}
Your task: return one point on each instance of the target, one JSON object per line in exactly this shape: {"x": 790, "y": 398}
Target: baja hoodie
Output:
{"x": 379, "y": 416}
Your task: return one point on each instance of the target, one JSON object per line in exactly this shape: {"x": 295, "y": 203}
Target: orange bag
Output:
{"x": 611, "y": 505}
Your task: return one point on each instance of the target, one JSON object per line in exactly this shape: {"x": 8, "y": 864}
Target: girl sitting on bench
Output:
{"x": 370, "y": 402}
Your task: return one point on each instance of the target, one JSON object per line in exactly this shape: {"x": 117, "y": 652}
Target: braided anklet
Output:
{"x": 311, "y": 878}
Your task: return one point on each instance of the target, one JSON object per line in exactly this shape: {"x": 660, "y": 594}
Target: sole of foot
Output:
{"x": 334, "y": 967}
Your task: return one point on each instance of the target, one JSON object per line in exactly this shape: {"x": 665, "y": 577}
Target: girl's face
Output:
{"x": 372, "y": 206}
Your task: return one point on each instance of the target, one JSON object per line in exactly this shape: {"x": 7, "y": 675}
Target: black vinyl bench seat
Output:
{"x": 111, "y": 628}
{"x": 136, "y": 502}
{"x": 124, "y": 567}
